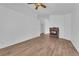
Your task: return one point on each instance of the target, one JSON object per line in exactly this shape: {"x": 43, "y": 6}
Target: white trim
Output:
{"x": 19, "y": 40}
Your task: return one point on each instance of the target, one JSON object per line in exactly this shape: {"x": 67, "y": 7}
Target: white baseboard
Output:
{"x": 9, "y": 43}
{"x": 77, "y": 48}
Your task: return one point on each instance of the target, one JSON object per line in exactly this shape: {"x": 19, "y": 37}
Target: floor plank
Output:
{"x": 41, "y": 46}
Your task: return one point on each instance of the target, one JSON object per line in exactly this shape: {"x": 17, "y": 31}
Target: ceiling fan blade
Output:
{"x": 43, "y": 5}
{"x": 30, "y": 3}
{"x": 36, "y": 7}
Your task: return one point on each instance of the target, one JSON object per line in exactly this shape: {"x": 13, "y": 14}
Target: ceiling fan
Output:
{"x": 37, "y": 5}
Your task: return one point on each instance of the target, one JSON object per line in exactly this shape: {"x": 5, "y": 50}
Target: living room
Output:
{"x": 21, "y": 22}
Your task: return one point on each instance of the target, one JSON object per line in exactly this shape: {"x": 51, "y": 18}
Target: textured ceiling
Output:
{"x": 52, "y": 8}
{"x": 55, "y": 8}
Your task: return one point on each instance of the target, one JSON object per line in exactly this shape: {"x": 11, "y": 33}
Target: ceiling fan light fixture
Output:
{"x": 38, "y": 5}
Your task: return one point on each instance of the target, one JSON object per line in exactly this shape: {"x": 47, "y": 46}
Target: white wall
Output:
{"x": 42, "y": 25}
{"x": 67, "y": 27}
{"x": 61, "y": 21}
{"x": 47, "y": 25}
{"x": 75, "y": 26}
{"x": 16, "y": 27}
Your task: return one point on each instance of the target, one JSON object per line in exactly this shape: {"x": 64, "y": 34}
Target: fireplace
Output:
{"x": 54, "y": 32}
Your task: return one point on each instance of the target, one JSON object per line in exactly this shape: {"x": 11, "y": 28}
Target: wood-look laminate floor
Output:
{"x": 41, "y": 46}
